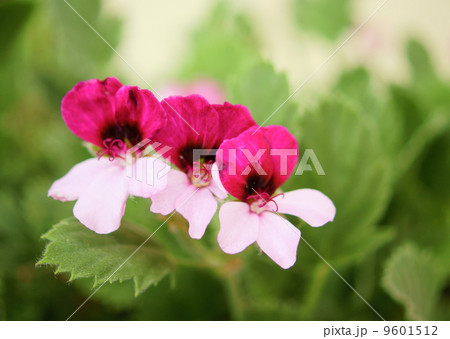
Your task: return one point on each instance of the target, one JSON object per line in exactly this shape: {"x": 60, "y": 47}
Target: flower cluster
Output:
{"x": 201, "y": 153}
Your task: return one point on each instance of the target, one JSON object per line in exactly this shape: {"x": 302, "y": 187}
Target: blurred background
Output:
{"x": 376, "y": 114}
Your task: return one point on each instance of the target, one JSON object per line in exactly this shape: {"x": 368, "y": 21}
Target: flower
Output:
{"x": 114, "y": 118}
{"x": 252, "y": 167}
{"x": 207, "y": 88}
{"x": 194, "y": 124}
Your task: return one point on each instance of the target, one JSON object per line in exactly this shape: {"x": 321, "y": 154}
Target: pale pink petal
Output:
{"x": 312, "y": 206}
{"x": 215, "y": 185}
{"x": 102, "y": 205}
{"x": 210, "y": 89}
{"x": 238, "y": 227}
{"x": 197, "y": 206}
{"x": 70, "y": 186}
{"x": 147, "y": 176}
{"x": 164, "y": 202}
{"x": 278, "y": 238}
{"x": 207, "y": 88}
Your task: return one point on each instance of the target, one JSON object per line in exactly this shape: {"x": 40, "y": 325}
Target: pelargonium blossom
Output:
{"x": 194, "y": 124}
{"x": 114, "y": 118}
{"x": 207, "y": 88}
{"x": 252, "y": 167}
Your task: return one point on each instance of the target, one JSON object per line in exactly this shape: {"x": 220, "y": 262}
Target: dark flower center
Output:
{"x": 118, "y": 138}
{"x": 257, "y": 184}
{"x": 128, "y": 133}
{"x": 187, "y": 161}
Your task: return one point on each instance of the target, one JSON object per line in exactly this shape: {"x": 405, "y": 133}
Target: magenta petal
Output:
{"x": 197, "y": 206}
{"x": 136, "y": 108}
{"x": 102, "y": 205}
{"x": 278, "y": 238}
{"x": 164, "y": 202}
{"x": 233, "y": 120}
{"x": 71, "y": 186}
{"x": 284, "y": 151}
{"x": 147, "y": 176}
{"x": 312, "y": 206}
{"x": 245, "y": 164}
{"x": 89, "y": 107}
{"x": 192, "y": 123}
{"x": 111, "y": 85}
{"x": 238, "y": 227}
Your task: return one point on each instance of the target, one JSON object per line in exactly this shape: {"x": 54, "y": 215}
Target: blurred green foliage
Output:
{"x": 221, "y": 45}
{"x": 324, "y": 18}
{"x": 384, "y": 148}
{"x": 413, "y": 278}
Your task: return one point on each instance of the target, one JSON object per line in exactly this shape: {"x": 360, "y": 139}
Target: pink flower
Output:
{"x": 252, "y": 167}
{"x": 114, "y": 118}
{"x": 111, "y": 116}
{"x": 207, "y": 88}
{"x": 194, "y": 124}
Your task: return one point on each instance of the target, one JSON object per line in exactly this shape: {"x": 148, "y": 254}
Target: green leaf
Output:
{"x": 264, "y": 91}
{"x": 362, "y": 242}
{"x": 13, "y": 16}
{"x": 328, "y": 18}
{"x": 359, "y": 85}
{"x": 422, "y": 106}
{"x": 220, "y": 46}
{"x": 78, "y": 42}
{"x": 79, "y": 251}
{"x": 420, "y": 63}
{"x": 357, "y": 178}
{"x": 428, "y": 90}
{"x": 424, "y": 135}
{"x": 435, "y": 167}
{"x": 68, "y": 49}
{"x": 118, "y": 296}
{"x": 412, "y": 277}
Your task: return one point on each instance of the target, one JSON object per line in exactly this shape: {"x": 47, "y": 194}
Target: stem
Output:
{"x": 235, "y": 297}
{"x": 225, "y": 267}
{"x": 314, "y": 290}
